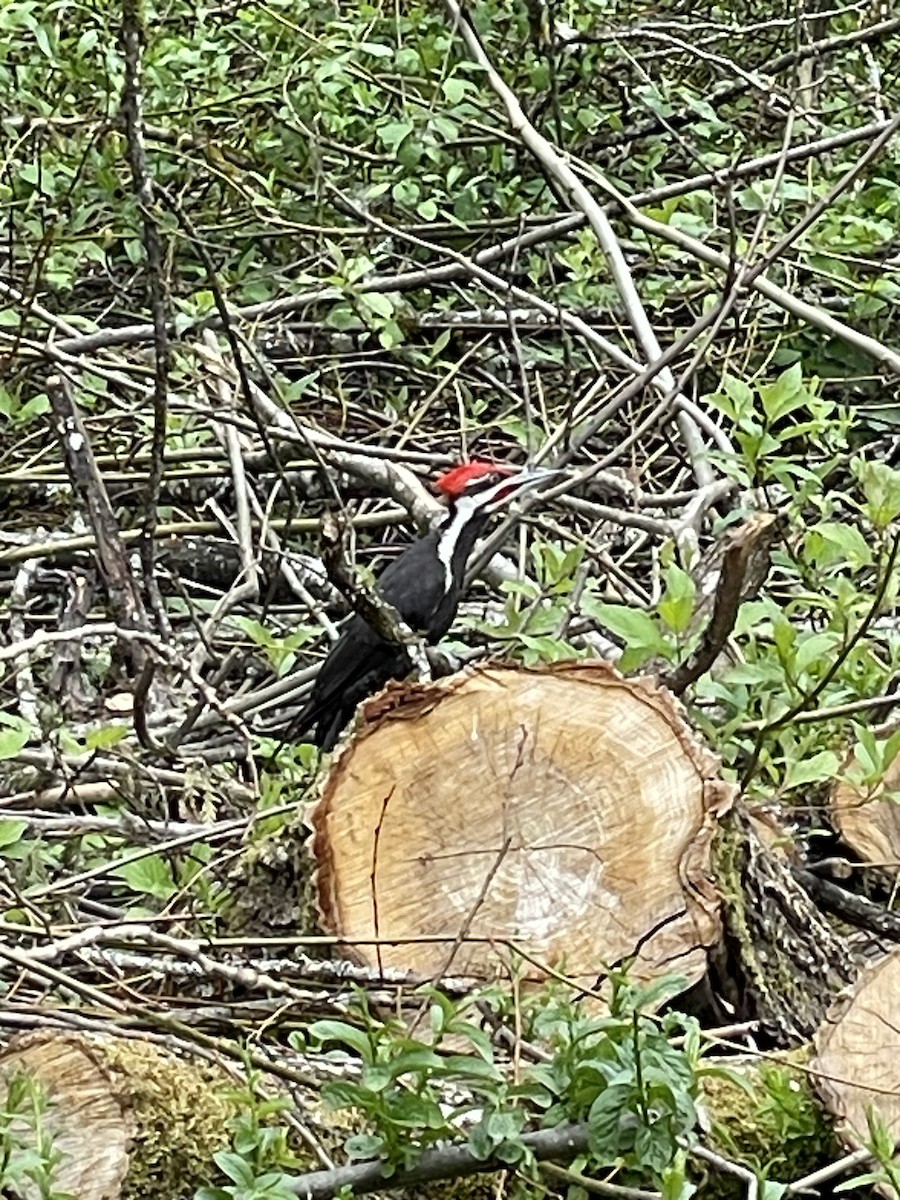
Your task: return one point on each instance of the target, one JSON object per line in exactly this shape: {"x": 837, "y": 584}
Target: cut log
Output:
{"x": 125, "y": 1116}
{"x": 90, "y": 1124}
{"x": 566, "y": 813}
{"x": 857, "y": 1063}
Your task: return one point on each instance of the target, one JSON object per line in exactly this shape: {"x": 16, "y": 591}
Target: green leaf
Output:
{"x": 481, "y": 1144}
{"x": 448, "y": 130}
{"x": 376, "y": 49}
{"x": 235, "y": 1167}
{"x": 785, "y": 394}
{"x": 467, "y": 1065}
{"x": 741, "y": 395}
{"x": 378, "y": 1078}
{"x": 342, "y": 317}
{"x": 636, "y": 628}
{"x": 605, "y": 1120}
{"x": 859, "y": 1181}
{"x": 364, "y": 1145}
{"x": 42, "y": 38}
{"x": 510, "y": 1152}
{"x": 102, "y": 739}
{"x": 819, "y": 768}
{"x": 35, "y": 407}
{"x": 479, "y": 1039}
{"x": 11, "y": 832}
{"x": 337, "y": 1095}
{"x": 406, "y": 191}
{"x": 14, "y": 735}
{"x": 891, "y": 747}
{"x": 392, "y": 133}
{"x": 378, "y": 303}
{"x": 785, "y": 636}
{"x": 455, "y": 89}
{"x": 86, "y": 42}
{"x": 391, "y": 335}
{"x": 151, "y": 876}
{"x": 867, "y": 751}
{"x": 418, "y": 1061}
{"x": 505, "y": 1124}
{"x": 342, "y": 1031}
{"x": 817, "y": 648}
{"x": 407, "y": 60}
{"x": 830, "y": 543}
{"x": 677, "y": 605}
{"x": 881, "y": 488}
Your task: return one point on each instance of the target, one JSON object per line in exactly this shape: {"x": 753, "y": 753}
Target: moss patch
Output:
{"x": 182, "y": 1113}
{"x": 776, "y": 1128}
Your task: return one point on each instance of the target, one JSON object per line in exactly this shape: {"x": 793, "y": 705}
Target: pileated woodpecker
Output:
{"x": 423, "y": 585}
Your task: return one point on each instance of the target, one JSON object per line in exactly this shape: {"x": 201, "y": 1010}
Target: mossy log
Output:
{"x": 781, "y": 962}
{"x": 129, "y": 1121}
{"x": 766, "y": 1115}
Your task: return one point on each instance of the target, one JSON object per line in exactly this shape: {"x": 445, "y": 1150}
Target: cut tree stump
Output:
{"x": 857, "y": 1063}
{"x": 566, "y": 813}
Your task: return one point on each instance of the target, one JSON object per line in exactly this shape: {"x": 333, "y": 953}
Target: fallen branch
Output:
{"x": 448, "y": 1162}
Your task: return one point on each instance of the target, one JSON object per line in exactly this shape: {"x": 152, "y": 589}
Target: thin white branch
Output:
{"x": 559, "y": 169}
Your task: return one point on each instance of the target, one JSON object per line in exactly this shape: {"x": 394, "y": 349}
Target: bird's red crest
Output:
{"x": 454, "y": 483}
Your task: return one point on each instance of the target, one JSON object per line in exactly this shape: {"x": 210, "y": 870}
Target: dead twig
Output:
{"x": 87, "y": 482}
{"x": 367, "y": 602}
{"x": 746, "y": 556}
{"x": 132, "y": 38}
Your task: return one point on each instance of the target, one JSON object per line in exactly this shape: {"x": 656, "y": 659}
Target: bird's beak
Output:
{"x": 526, "y": 481}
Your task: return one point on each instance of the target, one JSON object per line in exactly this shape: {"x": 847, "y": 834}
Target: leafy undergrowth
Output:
{"x": 366, "y": 271}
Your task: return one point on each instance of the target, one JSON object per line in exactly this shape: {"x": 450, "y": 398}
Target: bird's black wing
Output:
{"x": 416, "y": 584}
{"x": 361, "y": 662}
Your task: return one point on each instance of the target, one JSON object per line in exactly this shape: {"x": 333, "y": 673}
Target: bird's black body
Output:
{"x": 424, "y": 585}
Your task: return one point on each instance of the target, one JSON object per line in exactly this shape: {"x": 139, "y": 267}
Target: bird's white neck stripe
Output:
{"x": 449, "y": 538}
